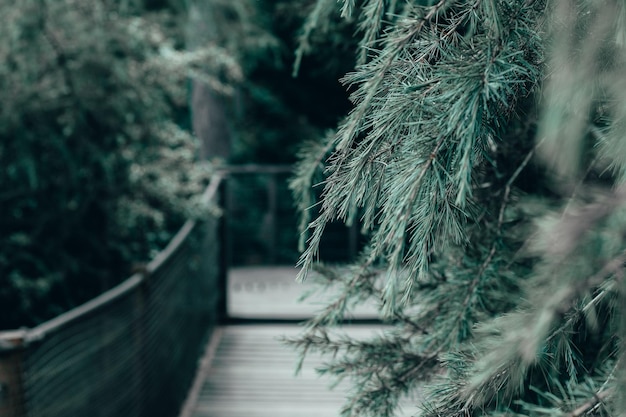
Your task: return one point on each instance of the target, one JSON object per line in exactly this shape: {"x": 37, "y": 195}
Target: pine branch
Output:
{"x": 320, "y": 15}
{"x": 347, "y": 9}
{"x": 435, "y": 223}
{"x": 303, "y": 183}
{"x": 348, "y": 131}
{"x": 516, "y": 352}
{"x": 472, "y": 288}
{"x": 360, "y": 285}
{"x": 372, "y": 13}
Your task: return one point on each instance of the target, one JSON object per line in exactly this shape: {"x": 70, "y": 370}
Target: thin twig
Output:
{"x": 492, "y": 251}
{"x": 597, "y": 399}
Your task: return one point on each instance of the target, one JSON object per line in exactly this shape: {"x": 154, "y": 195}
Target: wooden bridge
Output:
{"x": 196, "y": 335}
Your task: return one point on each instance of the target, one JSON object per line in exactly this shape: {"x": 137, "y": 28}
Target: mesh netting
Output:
{"x": 131, "y": 352}
{"x": 263, "y": 221}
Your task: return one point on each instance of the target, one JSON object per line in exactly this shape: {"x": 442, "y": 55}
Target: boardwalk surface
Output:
{"x": 252, "y": 375}
{"x": 273, "y": 293}
{"x": 248, "y": 372}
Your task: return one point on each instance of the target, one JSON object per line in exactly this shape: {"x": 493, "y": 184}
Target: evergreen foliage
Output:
{"x": 97, "y": 170}
{"x": 484, "y": 162}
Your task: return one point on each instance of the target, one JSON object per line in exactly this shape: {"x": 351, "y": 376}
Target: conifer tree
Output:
{"x": 484, "y": 160}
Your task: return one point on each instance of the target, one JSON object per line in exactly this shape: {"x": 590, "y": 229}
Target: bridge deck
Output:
{"x": 251, "y": 374}
{"x": 248, "y": 372}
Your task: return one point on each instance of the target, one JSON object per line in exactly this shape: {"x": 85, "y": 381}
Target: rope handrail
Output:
{"x": 209, "y": 193}
{"x": 256, "y": 169}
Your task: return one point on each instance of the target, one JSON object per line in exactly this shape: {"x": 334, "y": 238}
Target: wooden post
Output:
{"x": 224, "y": 252}
{"x": 272, "y": 208}
{"x": 12, "y": 400}
{"x": 353, "y": 241}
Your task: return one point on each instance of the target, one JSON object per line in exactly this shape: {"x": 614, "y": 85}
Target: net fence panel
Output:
{"x": 78, "y": 370}
{"x": 262, "y": 219}
{"x": 188, "y": 308}
{"x": 134, "y": 355}
{"x": 263, "y": 223}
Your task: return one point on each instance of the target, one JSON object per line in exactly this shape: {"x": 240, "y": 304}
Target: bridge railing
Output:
{"x": 133, "y": 350}
{"x": 130, "y": 352}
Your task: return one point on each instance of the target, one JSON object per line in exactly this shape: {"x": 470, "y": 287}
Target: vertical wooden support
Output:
{"x": 12, "y": 400}
{"x": 272, "y": 208}
{"x": 224, "y": 243}
{"x": 353, "y": 241}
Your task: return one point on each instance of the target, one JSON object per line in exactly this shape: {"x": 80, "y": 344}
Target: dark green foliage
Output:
{"x": 96, "y": 172}
{"x": 272, "y": 112}
{"x": 484, "y": 161}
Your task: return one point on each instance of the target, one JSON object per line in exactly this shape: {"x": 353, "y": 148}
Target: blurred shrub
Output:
{"x": 96, "y": 173}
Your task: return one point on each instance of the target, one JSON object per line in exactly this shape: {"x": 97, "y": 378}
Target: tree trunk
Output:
{"x": 210, "y": 122}
{"x": 209, "y": 116}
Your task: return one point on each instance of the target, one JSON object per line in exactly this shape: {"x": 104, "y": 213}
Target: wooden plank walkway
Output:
{"x": 248, "y": 372}
{"x": 252, "y": 375}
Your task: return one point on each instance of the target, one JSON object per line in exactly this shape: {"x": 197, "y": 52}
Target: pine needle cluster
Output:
{"x": 484, "y": 162}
